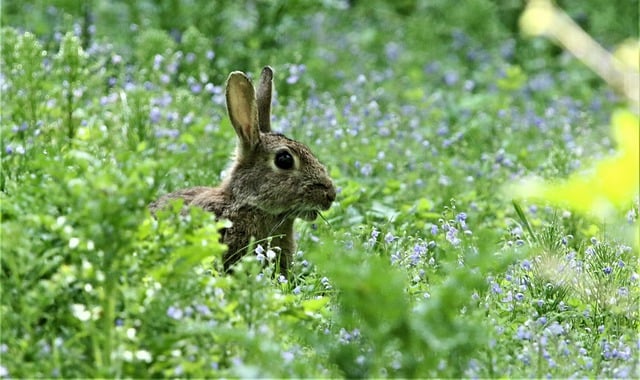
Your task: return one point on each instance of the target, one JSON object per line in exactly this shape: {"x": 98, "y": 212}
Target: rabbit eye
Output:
{"x": 284, "y": 160}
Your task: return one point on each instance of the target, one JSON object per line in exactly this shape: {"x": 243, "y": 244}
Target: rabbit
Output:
{"x": 272, "y": 180}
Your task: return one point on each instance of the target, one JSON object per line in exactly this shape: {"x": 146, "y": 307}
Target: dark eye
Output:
{"x": 284, "y": 160}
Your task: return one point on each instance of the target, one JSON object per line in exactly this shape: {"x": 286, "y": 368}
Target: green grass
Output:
{"x": 422, "y": 268}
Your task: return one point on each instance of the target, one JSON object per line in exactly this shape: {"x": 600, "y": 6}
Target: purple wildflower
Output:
{"x": 389, "y": 237}
{"x": 523, "y": 334}
{"x": 155, "y": 115}
{"x": 452, "y": 236}
{"x": 175, "y": 313}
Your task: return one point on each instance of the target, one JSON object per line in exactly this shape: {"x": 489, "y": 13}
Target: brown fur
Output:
{"x": 260, "y": 199}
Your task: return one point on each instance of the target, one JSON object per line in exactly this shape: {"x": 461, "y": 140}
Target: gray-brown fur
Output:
{"x": 259, "y": 198}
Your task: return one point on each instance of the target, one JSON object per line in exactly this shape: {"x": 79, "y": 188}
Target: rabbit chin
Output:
{"x": 309, "y": 216}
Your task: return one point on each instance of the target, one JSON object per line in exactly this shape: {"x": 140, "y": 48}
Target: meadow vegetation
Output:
{"x": 424, "y": 266}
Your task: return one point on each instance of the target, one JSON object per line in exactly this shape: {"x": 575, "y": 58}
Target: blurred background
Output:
{"x": 248, "y": 34}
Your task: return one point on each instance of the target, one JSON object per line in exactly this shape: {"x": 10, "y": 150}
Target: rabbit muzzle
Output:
{"x": 322, "y": 195}
{"x": 325, "y": 194}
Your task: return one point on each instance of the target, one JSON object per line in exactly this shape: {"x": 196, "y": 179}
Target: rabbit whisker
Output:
{"x": 281, "y": 222}
{"x": 325, "y": 219}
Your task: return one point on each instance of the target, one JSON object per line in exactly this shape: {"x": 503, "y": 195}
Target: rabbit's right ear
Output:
{"x": 243, "y": 109}
{"x": 265, "y": 88}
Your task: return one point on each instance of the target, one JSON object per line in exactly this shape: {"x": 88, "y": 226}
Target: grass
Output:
{"x": 422, "y": 268}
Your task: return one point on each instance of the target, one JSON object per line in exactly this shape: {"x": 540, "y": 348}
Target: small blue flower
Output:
{"x": 187, "y": 119}
{"x": 451, "y": 78}
{"x": 432, "y": 67}
{"x": 419, "y": 249}
{"x": 523, "y": 334}
{"x": 203, "y": 309}
{"x": 452, "y": 236}
{"x": 287, "y": 356}
{"x": 461, "y": 217}
{"x": 524, "y": 358}
{"x": 366, "y": 170}
{"x": 555, "y": 328}
{"x": 157, "y": 61}
{"x": 389, "y": 237}
{"x": 155, "y": 114}
{"x": 348, "y": 336}
{"x": 175, "y": 313}
{"x": 295, "y": 71}
{"x": 196, "y": 88}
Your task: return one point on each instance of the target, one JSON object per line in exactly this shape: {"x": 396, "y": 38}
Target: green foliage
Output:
{"x": 421, "y": 268}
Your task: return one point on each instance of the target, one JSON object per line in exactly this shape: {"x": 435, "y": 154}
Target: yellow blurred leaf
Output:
{"x": 611, "y": 184}
{"x": 628, "y": 54}
{"x": 537, "y": 17}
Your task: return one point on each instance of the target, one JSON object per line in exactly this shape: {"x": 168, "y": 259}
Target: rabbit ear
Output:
{"x": 264, "y": 99}
{"x": 243, "y": 110}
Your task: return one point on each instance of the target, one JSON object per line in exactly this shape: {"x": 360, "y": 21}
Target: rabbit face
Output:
{"x": 282, "y": 176}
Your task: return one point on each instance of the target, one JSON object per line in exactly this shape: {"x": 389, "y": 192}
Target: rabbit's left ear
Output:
{"x": 265, "y": 88}
{"x": 243, "y": 109}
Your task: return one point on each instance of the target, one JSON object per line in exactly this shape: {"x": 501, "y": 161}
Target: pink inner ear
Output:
{"x": 241, "y": 103}
{"x": 241, "y": 114}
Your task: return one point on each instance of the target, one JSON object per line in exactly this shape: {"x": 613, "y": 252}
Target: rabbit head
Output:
{"x": 271, "y": 172}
